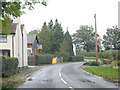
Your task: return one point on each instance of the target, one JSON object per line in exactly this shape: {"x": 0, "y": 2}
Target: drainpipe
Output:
{"x": 22, "y": 52}
{"x": 13, "y": 45}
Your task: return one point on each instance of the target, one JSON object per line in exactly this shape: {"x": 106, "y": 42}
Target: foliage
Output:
{"x": 76, "y": 58}
{"x": 69, "y": 43}
{"x": 43, "y": 59}
{"x": 92, "y": 63}
{"x": 105, "y": 61}
{"x": 115, "y": 63}
{"x": 14, "y": 9}
{"x": 9, "y": 66}
{"x": 50, "y": 37}
{"x": 57, "y": 36}
{"x": 110, "y": 40}
{"x": 34, "y": 32}
{"x": 105, "y": 72}
{"x": 84, "y": 38}
{"x": 109, "y": 54}
{"x": 45, "y": 39}
{"x": 86, "y": 54}
{"x": 63, "y": 51}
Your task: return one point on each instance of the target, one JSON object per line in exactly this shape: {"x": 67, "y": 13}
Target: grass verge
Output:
{"x": 93, "y": 58}
{"x": 18, "y": 78}
{"x": 105, "y": 72}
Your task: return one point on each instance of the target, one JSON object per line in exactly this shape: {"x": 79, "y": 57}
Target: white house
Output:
{"x": 15, "y": 44}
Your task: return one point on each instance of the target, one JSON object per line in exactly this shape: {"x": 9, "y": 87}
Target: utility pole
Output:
{"x": 96, "y": 39}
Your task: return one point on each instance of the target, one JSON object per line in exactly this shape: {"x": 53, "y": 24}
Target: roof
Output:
{"x": 31, "y": 38}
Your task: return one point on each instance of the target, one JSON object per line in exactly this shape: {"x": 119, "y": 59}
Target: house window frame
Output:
{"x": 3, "y": 36}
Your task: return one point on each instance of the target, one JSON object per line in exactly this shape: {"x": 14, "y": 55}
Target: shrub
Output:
{"x": 65, "y": 55}
{"x": 87, "y": 63}
{"x": 92, "y": 63}
{"x": 108, "y": 54}
{"x": 76, "y": 58}
{"x": 43, "y": 59}
{"x": 9, "y": 66}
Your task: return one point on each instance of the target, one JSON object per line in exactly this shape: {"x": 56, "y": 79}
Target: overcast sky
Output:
{"x": 73, "y": 13}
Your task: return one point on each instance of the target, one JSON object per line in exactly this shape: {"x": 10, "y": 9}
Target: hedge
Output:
{"x": 76, "y": 58}
{"x": 9, "y": 66}
{"x": 43, "y": 59}
{"x": 105, "y": 54}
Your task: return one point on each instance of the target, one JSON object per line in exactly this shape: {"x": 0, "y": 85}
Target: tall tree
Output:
{"x": 44, "y": 37}
{"x": 84, "y": 38}
{"x": 69, "y": 43}
{"x": 57, "y": 36}
{"x": 110, "y": 40}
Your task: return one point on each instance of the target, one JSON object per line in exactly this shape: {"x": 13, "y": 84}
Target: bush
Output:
{"x": 9, "y": 66}
{"x": 75, "y": 58}
{"x": 43, "y": 59}
{"x": 93, "y": 63}
{"x": 108, "y": 54}
{"x": 65, "y": 55}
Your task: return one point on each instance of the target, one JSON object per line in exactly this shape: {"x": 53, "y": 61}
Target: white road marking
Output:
{"x": 63, "y": 81}
{"x": 59, "y": 74}
{"x": 70, "y": 87}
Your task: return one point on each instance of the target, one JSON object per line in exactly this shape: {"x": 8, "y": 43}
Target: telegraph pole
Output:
{"x": 96, "y": 39}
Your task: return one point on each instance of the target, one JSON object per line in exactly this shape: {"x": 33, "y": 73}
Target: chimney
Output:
{"x": 22, "y": 27}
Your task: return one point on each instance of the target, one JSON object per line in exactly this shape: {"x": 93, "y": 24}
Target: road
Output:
{"x": 66, "y": 75}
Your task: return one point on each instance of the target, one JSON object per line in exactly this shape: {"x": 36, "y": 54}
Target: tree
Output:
{"x": 34, "y": 32}
{"x": 63, "y": 51}
{"x": 84, "y": 38}
{"x": 57, "y": 36}
{"x": 14, "y": 9}
{"x": 45, "y": 39}
{"x": 111, "y": 39}
{"x": 69, "y": 43}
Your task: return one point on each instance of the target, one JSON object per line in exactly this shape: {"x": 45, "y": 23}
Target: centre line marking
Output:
{"x": 60, "y": 74}
{"x": 63, "y": 81}
{"x": 70, "y": 87}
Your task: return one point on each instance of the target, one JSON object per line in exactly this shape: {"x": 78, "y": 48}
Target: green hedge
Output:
{"x": 92, "y": 63}
{"x": 9, "y": 66}
{"x": 43, "y": 59}
{"x": 108, "y": 54}
{"x": 75, "y": 58}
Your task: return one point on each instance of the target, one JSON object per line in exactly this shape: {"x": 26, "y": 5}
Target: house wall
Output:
{"x": 25, "y": 58}
{"x": 7, "y": 45}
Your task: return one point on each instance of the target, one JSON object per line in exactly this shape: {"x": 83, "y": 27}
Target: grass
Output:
{"x": 105, "y": 72}
{"x": 89, "y": 57}
{"x": 93, "y": 58}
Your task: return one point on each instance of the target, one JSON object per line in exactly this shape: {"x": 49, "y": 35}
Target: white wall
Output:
{"x": 25, "y": 47}
{"x": 7, "y": 45}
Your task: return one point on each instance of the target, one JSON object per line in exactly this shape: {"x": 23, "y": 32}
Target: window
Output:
{"x": 3, "y": 38}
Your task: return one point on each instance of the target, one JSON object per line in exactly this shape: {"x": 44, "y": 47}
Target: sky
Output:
{"x": 72, "y": 14}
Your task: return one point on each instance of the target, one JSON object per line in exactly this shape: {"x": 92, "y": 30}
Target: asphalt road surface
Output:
{"x": 66, "y": 75}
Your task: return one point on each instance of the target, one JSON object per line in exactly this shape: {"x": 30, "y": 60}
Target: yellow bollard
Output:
{"x": 54, "y": 61}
